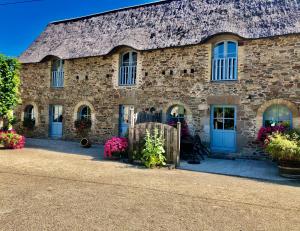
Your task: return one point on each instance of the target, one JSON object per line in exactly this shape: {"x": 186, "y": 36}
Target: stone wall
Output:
{"x": 268, "y": 69}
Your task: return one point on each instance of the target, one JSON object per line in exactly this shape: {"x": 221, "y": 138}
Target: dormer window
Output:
{"x": 127, "y": 75}
{"x": 57, "y": 73}
{"x": 224, "y": 61}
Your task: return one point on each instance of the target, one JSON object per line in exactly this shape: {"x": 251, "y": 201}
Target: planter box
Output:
{"x": 289, "y": 169}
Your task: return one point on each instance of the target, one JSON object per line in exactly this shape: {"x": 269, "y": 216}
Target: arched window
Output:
{"x": 176, "y": 113}
{"x": 84, "y": 113}
{"x": 127, "y": 74}
{"x": 29, "y": 112}
{"x": 57, "y": 73}
{"x": 224, "y": 61}
{"x": 276, "y": 115}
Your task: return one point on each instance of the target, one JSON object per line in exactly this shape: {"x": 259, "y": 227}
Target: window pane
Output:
{"x": 218, "y": 112}
{"x": 125, "y": 60}
{"x": 29, "y": 113}
{"x": 229, "y": 112}
{"x": 229, "y": 124}
{"x": 219, "y": 50}
{"x": 85, "y": 113}
{"x": 231, "y": 49}
{"x": 57, "y": 65}
{"x": 218, "y": 124}
{"x": 277, "y": 114}
{"x": 134, "y": 57}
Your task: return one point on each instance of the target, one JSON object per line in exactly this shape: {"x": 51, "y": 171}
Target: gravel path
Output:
{"x": 51, "y": 190}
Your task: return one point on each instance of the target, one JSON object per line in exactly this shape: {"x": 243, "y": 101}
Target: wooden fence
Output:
{"x": 170, "y": 135}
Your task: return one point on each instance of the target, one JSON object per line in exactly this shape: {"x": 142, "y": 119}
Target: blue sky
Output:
{"x": 22, "y": 23}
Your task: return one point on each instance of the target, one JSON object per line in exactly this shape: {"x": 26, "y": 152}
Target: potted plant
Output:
{"x": 115, "y": 148}
{"x": 29, "y": 124}
{"x": 285, "y": 149}
{"x": 83, "y": 127}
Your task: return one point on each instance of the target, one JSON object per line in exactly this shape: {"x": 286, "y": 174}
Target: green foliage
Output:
{"x": 29, "y": 123}
{"x": 153, "y": 152}
{"x": 83, "y": 127}
{"x": 9, "y": 84}
{"x": 9, "y": 121}
{"x": 284, "y": 146}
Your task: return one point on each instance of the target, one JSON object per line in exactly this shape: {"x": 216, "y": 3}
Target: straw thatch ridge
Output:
{"x": 164, "y": 24}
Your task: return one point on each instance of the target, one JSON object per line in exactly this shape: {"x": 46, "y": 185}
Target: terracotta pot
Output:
{"x": 85, "y": 143}
{"x": 289, "y": 169}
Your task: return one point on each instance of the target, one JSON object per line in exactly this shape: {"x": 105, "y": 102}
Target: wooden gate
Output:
{"x": 170, "y": 135}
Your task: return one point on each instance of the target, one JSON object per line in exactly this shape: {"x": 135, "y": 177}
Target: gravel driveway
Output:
{"x": 51, "y": 190}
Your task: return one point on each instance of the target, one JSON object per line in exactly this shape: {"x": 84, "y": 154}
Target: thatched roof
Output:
{"x": 164, "y": 24}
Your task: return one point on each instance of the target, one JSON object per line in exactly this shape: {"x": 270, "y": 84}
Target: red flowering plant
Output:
{"x": 11, "y": 140}
{"x": 115, "y": 147}
{"x": 184, "y": 128}
{"x": 83, "y": 126}
{"x": 265, "y": 132}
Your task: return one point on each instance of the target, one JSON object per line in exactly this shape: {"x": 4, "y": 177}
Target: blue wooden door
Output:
{"x": 56, "y": 121}
{"x": 223, "y": 128}
{"x": 124, "y": 119}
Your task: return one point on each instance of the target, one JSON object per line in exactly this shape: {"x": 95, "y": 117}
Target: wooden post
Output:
{"x": 130, "y": 141}
{"x": 131, "y": 135}
{"x": 132, "y": 117}
{"x": 177, "y": 164}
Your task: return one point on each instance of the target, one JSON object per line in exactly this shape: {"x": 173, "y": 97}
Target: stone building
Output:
{"x": 225, "y": 67}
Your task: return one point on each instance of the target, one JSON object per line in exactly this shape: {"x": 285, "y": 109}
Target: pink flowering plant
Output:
{"x": 12, "y": 140}
{"x": 115, "y": 147}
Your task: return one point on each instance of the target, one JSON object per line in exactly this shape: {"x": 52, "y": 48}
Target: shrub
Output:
{"x": 115, "y": 146}
{"x": 12, "y": 140}
{"x": 153, "y": 152}
{"x": 184, "y": 128}
{"x": 29, "y": 123}
{"x": 284, "y": 146}
{"x": 83, "y": 126}
{"x": 264, "y": 132}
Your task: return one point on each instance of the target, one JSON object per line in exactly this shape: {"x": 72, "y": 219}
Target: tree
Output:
{"x": 9, "y": 85}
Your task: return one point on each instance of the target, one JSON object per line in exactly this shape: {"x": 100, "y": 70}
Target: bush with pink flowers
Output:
{"x": 12, "y": 140}
{"x": 115, "y": 147}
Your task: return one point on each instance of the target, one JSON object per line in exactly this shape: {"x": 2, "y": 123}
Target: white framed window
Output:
{"x": 57, "y": 73}
{"x": 84, "y": 113}
{"x": 127, "y": 74}
{"x": 225, "y": 61}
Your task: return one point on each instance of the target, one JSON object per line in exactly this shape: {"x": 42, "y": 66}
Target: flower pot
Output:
{"x": 85, "y": 143}
{"x": 289, "y": 169}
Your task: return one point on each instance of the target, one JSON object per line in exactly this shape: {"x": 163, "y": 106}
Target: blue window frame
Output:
{"x": 225, "y": 61}
{"x": 57, "y": 73}
{"x": 127, "y": 74}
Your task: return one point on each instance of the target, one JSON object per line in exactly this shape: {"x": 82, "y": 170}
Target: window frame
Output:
{"x": 32, "y": 114}
{"x": 131, "y": 78}
{"x": 80, "y": 116}
{"x": 273, "y": 105}
{"x": 226, "y": 59}
{"x": 57, "y": 73}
